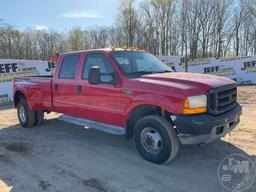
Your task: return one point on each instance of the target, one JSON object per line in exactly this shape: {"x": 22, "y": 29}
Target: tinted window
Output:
{"x": 68, "y": 67}
{"x": 97, "y": 60}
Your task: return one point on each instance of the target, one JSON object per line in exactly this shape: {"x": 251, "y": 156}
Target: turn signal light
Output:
{"x": 194, "y": 110}
{"x": 195, "y": 105}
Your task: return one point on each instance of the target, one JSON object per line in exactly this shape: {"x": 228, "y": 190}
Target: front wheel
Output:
{"x": 25, "y": 115}
{"x": 155, "y": 139}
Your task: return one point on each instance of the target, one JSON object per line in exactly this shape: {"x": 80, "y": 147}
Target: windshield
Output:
{"x": 132, "y": 62}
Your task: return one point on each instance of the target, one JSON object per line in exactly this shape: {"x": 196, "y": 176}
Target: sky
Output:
{"x": 58, "y": 14}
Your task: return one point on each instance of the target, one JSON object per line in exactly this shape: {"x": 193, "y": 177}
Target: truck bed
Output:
{"x": 38, "y": 91}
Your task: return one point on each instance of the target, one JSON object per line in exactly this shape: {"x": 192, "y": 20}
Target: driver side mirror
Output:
{"x": 95, "y": 77}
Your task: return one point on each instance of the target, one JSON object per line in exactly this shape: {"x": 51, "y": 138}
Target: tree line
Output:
{"x": 190, "y": 28}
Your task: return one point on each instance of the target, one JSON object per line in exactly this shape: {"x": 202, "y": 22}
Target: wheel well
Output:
{"x": 17, "y": 97}
{"x": 139, "y": 112}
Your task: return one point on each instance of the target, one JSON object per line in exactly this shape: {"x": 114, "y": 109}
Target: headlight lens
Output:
{"x": 195, "y": 104}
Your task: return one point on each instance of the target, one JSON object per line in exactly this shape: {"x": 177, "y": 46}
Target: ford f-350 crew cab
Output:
{"x": 132, "y": 93}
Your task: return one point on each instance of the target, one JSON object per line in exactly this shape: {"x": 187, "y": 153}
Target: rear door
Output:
{"x": 99, "y": 102}
{"x": 64, "y": 85}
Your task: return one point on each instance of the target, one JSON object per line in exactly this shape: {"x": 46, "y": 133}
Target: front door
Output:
{"x": 99, "y": 102}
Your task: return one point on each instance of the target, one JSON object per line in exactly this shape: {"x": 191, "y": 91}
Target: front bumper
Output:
{"x": 205, "y": 128}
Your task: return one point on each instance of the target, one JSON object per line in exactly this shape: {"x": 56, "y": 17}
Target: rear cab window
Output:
{"x": 68, "y": 67}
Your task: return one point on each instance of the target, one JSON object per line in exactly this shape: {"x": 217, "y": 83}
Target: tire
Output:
{"x": 162, "y": 132}
{"x": 25, "y": 115}
{"x": 39, "y": 118}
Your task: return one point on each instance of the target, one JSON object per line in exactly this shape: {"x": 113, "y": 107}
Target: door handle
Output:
{"x": 55, "y": 87}
{"x": 79, "y": 88}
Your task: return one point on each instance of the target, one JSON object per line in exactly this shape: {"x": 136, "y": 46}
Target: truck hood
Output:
{"x": 186, "y": 81}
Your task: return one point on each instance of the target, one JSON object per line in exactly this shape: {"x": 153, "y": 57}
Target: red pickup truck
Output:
{"x": 132, "y": 93}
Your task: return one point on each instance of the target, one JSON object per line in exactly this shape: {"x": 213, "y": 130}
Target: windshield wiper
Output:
{"x": 141, "y": 72}
{"x": 147, "y": 72}
{"x": 166, "y": 71}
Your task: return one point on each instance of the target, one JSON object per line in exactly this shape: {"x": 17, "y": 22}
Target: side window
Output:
{"x": 68, "y": 67}
{"x": 97, "y": 60}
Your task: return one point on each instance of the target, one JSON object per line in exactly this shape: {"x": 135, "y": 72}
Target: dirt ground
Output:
{"x": 59, "y": 157}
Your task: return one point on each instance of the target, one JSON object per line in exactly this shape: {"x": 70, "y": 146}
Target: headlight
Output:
{"x": 195, "y": 104}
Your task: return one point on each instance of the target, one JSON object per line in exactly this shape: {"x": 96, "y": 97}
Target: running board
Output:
{"x": 93, "y": 125}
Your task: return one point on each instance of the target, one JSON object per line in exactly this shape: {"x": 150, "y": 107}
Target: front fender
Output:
{"x": 172, "y": 105}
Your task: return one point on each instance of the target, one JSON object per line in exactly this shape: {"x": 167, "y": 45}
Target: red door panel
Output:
{"x": 99, "y": 102}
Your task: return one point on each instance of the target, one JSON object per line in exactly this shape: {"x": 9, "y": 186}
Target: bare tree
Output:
{"x": 252, "y": 7}
{"x": 239, "y": 17}
{"x": 128, "y": 22}
{"x": 78, "y": 39}
{"x": 99, "y": 37}
{"x": 191, "y": 28}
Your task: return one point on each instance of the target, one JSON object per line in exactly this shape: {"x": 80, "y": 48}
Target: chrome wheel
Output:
{"x": 151, "y": 140}
{"x": 22, "y": 114}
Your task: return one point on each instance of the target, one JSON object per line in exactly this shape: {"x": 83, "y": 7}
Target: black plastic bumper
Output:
{"x": 205, "y": 128}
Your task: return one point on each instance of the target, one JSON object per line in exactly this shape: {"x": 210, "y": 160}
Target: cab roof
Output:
{"x": 104, "y": 50}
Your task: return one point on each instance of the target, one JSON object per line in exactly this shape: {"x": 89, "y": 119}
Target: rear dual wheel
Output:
{"x": 39, "y": 115}
{"x": 27, "y": 117}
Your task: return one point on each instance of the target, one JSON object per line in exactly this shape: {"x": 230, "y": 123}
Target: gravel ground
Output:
{"x": 59, "y": 157}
